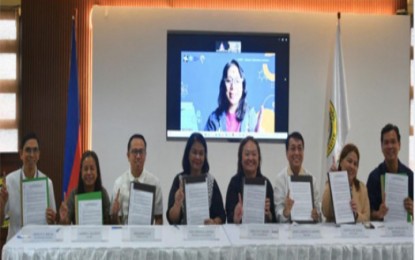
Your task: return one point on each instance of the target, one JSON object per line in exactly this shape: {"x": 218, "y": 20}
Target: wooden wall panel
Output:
{"x": 46, "y": 32}
{"x": 350, "y": 6}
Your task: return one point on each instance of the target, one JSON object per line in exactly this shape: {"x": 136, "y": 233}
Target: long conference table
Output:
{"x": 272, "y": 241}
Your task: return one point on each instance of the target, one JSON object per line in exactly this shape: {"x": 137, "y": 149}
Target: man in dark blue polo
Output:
{"x": 391, "y": 144}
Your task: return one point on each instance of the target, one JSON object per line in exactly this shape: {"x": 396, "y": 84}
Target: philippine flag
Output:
{"x": 73, "y": 127}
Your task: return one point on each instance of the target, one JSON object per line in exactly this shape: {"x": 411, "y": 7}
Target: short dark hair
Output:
{"x": 134, "y": 136}
{"x": 293, "y": 135}
{"x": 388, "y": 128}
{"x": 28, "y": 137}
{"x": 240, "y": 150}
{"x": 98, "y": 182}
{"x": 195, "y": 137}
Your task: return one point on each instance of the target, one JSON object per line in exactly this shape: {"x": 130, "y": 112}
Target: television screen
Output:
{"x": 227, "y": 85}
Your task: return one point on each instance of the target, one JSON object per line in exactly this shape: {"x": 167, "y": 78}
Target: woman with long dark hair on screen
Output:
{"x": 195, "y": 163}
{"x": 89, "y": 181}
{"x": 233, "y": 113}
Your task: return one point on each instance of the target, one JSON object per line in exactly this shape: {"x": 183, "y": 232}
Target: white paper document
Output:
{"x": 304, "y": 232}
{"x": 89, "y": 208}
{"x": 142, "y": 233}
{"x": 396, "y": 190}
{"x": 89, "y": 234}
{"x": 41, "y": 233}
{"x": 398, "y": 229}
{"x": 34, "y": 201}
{"x": 341, "y": 197}
{"x": 259, "y": 231}
{"x": 141, "y": 205}
{"x": 197, "y": 202}
{"x": 201, "y": 233}
{"x": 352, "y": 231}
{"x": 301, "y": 193}
{"x": 254, "y": 203}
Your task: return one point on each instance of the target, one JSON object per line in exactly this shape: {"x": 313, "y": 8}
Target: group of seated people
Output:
{"x": 367, "y": 201}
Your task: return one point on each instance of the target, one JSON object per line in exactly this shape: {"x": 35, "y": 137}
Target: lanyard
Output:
{"x": 21, "y": 174}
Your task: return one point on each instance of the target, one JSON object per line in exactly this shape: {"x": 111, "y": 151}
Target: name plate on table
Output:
{"x": 301, "y": 232}
{"x": 352, "y": 231}
{"x": 197, "y": 233}
{"x": 41, "y": 234}
{"x": 141, "y": 233}
{"x": 398, "y": 230}
{"x": 261, "y": 231}
{"x": 89, "y": 234}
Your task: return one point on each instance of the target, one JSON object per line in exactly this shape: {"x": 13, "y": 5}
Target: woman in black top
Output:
{"x": 249, "y": 166}
{"x": 195, "y": 163}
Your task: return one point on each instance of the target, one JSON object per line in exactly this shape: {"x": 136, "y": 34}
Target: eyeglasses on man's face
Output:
{"x": 137, "y": 151}
{"x": 29, "y": 150}
{"x": 293, "y": 148}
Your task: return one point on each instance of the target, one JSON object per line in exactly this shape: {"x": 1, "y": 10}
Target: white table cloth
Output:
{"x": 171, "y": 246}
{"x": 330, "y": 246}
{"x": 228, "y": 245}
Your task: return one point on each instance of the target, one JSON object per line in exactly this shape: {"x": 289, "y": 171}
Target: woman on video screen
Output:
{"x": 232, "y": 113}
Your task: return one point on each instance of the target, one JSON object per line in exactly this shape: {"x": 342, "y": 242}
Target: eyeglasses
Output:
{"x": 31, "y": 149}
{"x": 250, "y": 153}
{"x": 197, "y": 153}
{"x": 138, "y": 151}
{"x": 229, "y": 81}
{"x": 296, "y": 148}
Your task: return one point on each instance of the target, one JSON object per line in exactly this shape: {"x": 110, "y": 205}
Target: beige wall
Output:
{"x": 129, "y": 91}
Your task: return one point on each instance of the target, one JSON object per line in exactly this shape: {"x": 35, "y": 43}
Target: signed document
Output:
{"x": 254, "y": 201}
{"x": 301, "y": 191}
{"x": 88, "y": 208}
{"x": 141, "y": 206}
{"x": 35, "y": 200}
{"x": 197, "y": 201}
{"x": 396, "y": 190}
{"x": 341, "y": 197}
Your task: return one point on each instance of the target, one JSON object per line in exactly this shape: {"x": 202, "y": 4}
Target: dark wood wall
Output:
{"x": 45, "y": 48}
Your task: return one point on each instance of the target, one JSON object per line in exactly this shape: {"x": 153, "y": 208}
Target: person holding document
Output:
{"x": 349, "y": 161}
{"x": 390, "y": 140}
{"x": 10, "y": 194}
{"x": 195, "y": 163}
{"x": 89, "y": 181}
{"x": 294, "y": 150}
{"x": 249, "y": 166}
{"x": 136, "y": 154}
